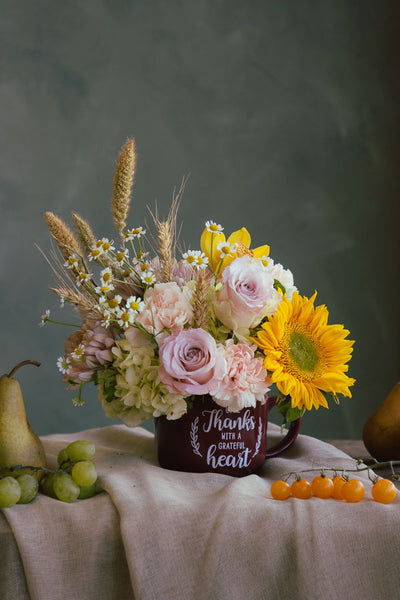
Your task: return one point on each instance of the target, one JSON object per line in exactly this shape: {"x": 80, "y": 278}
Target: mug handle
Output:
{"x": 287, "y": 441}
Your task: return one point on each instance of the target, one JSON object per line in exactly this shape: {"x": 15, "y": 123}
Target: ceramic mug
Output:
{"x": 208, "y": 438}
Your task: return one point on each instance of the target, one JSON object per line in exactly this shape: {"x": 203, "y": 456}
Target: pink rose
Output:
{"x": 246, "y": 294}
{"x": 167, "y": 307}
{"x": 191, "y": 362}
{"x": 246, "y": 380}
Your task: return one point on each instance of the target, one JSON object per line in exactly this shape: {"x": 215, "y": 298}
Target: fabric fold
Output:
{"x": 155, "y": 533}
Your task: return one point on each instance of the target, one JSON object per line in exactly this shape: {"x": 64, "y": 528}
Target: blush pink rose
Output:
{"x": 246, "y": 380}
{"x": 167, "y": 307}
{"x": 246, "y": 294}
{"x": 191, "y": 362}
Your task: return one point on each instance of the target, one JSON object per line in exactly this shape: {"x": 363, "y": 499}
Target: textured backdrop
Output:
{"x": 286, "y": 117}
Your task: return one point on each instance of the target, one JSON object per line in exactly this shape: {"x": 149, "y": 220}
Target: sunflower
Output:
{"x": 305, "y": 356}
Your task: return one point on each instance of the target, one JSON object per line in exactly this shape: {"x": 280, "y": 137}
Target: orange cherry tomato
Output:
{"x": 384, "y": 491}
{"x": 322, "y": 486}
{"x": 280, "y": 490}
{"x": 301, "y": 488}
{"x": 338, "y": 483}
{"x": 353, "y": 490}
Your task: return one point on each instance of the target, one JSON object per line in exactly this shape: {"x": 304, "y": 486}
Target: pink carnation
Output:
{"x": 167, "y": 307}
{"x": 191, "y": 362}
{"x": 246, "y": 380}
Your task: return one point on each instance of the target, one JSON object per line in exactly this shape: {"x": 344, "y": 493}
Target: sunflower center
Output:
{"x": 303, "y": 352}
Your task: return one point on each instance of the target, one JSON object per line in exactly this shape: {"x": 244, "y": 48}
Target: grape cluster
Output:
{"x": 75, "y": 478}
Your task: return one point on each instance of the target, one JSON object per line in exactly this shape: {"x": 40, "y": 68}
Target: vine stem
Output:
{"x": 376, "y": 464}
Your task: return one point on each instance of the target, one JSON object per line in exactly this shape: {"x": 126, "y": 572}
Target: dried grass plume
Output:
{"x": 66, "y": 241}
{"x": 123, "y": 182}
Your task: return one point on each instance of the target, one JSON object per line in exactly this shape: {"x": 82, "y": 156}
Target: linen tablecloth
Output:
{"x": 155, "y": 534}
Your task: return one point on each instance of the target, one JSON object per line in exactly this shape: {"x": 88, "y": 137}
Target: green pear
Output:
{"x": 19, "y": 444}
{"x": 381, "y": 432}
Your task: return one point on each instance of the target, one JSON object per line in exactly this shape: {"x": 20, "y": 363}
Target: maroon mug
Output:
{"x": 208, "y": 438}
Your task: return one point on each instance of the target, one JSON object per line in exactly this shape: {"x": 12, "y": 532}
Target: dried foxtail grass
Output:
{"x": 85, "y": 233}
{"x": 65, "y": 239}
{"x": 123, "y": 182}
{"x": 199, "y": 302}
{"x": 167, "y": 235}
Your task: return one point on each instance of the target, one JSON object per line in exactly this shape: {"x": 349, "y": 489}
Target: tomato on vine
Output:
{"x": 384, "y": 491}
{"x": 353, "y": 490}
{"x": 322, "y": 486}
{"x": 280, "y": 490}
{"x": 338, "y": 483}
{"x": 301, "y": 488}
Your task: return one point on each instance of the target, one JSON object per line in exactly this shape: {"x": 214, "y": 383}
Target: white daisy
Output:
{"x": 131, "y": 234}
{"x": 104, "y": 288}
{"x": 190, "y": 257}
{"x": 148, "y": 278}
{"x": 213, "y": 227}
{"x": 225, "y": 248}
{"x": 121, "y": 256}
{"x": 83, "y": 278}
{"x": 78, "y": 353}
{"x": 126, "y": 318}
{"x": 106, "y": 276}
{"x": 134, "y": 304}
{"x": 71, "y": 262}
{"x": 63, "y": 364}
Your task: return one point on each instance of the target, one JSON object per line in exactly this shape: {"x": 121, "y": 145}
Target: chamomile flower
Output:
{"x": 111, "y": 303}
{"x": 144, "y": 267}
{"x": 95, "y": 253}
{"x": 83, "y": 278}
{"x": 104, "y": 288}
{"x": 71, "y": 262}
{"x": 44, "y": 318}
{"x": 148, "y": 278}
{"x": 105, "y": 245}
{"x": 106, "y": 276}
{"x": 126, "y": 318}
{"x": 106, "y": 319}
{"x": 213, "y": 227}
{"x": 201, "y": 261}
{"x": 225, "y": 248}
{"x": 131, "y": 234}
{"x": 190, "y": 257}
{"x": 134, "y": 304}
{"x": 195, "y": 258}
{"x": 79, "y": 352}
{"x": 63, "y": 364}
{"x": 121, "y": 256}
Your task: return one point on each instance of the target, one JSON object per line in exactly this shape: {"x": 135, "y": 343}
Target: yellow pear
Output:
{"x": 381, "y": 433}
{"x": 19, "y": 444}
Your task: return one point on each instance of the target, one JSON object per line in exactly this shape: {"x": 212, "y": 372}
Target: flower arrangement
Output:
{"x": 159, "y": 331}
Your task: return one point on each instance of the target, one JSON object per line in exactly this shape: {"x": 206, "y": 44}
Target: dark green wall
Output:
{"x": 286, "y": 116}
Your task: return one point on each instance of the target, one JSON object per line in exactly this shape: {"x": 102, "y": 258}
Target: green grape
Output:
{"x": 46, "y": 485}
{"x": 80, "y": 450}
{"x": 65, "y": 487}
{"x": 84, "y": 473}
{"x": 62, "y": 457}
{"x": 87, "y": 491}
{"x": 29, "y": 488}
{"x": 10, "y": 492}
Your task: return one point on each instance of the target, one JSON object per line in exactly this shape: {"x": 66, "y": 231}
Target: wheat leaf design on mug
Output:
{"x": 259, "y": 436}
{"x": 193, "y": 437}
